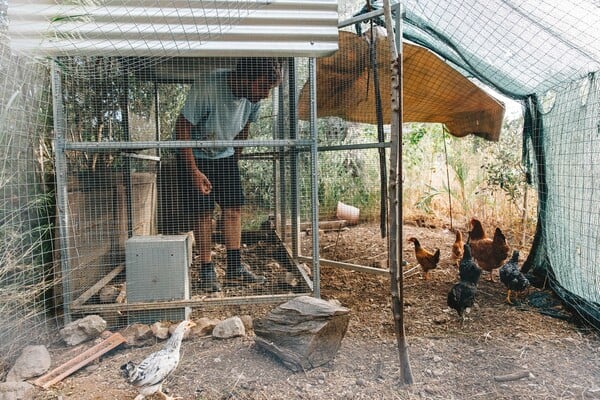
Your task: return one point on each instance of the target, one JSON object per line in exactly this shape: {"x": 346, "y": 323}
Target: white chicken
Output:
{"x": 149, "y": 375}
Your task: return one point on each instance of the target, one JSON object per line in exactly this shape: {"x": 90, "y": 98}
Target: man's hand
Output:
{"x": 183, "y": 130}
{"x": 201, "y": 182}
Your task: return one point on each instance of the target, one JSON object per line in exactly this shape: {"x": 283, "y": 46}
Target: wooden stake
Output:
{"x": 515, "y": 376}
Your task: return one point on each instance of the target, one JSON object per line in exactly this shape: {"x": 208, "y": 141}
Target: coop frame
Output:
{"x": 285, "y": 92}
{"x": 294, "y": 144}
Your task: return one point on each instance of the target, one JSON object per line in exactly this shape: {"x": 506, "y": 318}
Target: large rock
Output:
{"x": 16, "y": 391}
{"x": 83, "y": 329}
{"x": 138, "y": 335}
{"x": 229, "y": 328}
{"x": 33, "y": 361}
{"x": 303, "y": 333}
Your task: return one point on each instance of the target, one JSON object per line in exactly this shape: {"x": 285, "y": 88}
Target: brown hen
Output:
{"x": 426, "y": 259}
{"x": 490, "y": 253}
{"x": 457, "y": 248}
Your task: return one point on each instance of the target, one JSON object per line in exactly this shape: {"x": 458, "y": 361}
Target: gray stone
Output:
{"x": 83, "y": 329}
{"x": 229, "y": 328}
{"x": 138, "y": 335}
{"x": 204, "y": 326}
{"x": 16, "y": 391}
{"x": 303, "y": 333}
{"x": 160, "y": 330}
{"x": 33, "y": 361}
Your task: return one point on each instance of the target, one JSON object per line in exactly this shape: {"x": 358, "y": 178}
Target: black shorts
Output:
{"x": 223, "y": 174}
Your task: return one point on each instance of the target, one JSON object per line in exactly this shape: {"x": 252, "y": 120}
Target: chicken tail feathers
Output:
{"x": 128, "y": 370}
{"x": 436, "y": 256}
{"x": 499, "y": 236}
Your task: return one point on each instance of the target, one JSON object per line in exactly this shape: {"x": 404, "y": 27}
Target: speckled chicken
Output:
{"x": 512, "y": 277}
{"x": 149, "y": 375}
{"x": 426, "y": 259}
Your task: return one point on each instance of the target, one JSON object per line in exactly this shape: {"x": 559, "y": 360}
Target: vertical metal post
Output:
{"x": 314, "y": 179}
{"x": 295, "y": 185}
{"x": 281, "y": 158}
{"x": 60, "y": 167}
{"x": 159, "y": 166}
{"x": 157, "y": 116}
{"x": 127, "y": 171}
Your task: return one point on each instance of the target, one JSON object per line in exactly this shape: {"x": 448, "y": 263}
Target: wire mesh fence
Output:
{"x": 121, "y": 203}
{"x": 126, "y": 177}
{"x": 569, "y": 142}
{"x": 26, "y": 214}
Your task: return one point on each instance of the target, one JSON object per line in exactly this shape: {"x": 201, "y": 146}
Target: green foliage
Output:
{"x": 424, "y": 202}
{"x": 502, "y": 164}
{"x": 477, "y": 174}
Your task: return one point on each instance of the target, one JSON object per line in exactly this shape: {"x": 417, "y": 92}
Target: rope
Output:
{"x": 445, "y": 130}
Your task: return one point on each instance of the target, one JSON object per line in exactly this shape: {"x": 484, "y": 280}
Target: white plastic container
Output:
{"x": 347, "y": 212}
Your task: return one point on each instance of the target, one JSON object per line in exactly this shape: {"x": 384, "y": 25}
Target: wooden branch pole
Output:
{"x": 395, "y": 195}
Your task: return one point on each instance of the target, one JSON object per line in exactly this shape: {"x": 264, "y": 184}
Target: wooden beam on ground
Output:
{"x": 353, "y": 267}
{"x": 79, "y": 361}
{"x": 334, "y": 225}
{"x": 193, "y": 303}
{"x": 85, "y": 296}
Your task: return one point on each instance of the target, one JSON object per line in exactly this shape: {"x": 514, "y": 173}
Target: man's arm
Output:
{"x": 243, "y": 135}
{"x": 183, "y": 131}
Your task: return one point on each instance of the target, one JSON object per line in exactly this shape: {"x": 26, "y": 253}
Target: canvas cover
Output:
{"x": 432, "y": 92}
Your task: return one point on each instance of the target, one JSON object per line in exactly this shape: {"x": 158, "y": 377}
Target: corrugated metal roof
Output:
{"x": 175, "y": 28}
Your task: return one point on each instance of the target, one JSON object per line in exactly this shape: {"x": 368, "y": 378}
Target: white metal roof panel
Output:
{"x": 175, "y": 28}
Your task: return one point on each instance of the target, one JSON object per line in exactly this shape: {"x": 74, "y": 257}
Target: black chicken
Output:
{"x": 512, "y": 277}
{"x": 462, "y": 297}
{"x": 468, "y": 269}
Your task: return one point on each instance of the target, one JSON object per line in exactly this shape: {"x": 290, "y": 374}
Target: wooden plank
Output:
{"x": 353, "y": 267}
{"x": 194, "y": 303}
{"x": 85, "y": 296}
{"x": 79, "y": 361}
{"x": 331, "y": 225}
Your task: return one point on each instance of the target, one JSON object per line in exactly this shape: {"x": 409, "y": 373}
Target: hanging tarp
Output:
{"x": 432, "y": 92}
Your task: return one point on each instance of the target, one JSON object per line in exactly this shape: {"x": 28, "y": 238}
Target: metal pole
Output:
{"x": 62, "y": 204}
{"x": 127, "y": 170}
{"x": 281, "y": 178}
{"x": 295, "y": 185}
{"x": 314, "y": 180}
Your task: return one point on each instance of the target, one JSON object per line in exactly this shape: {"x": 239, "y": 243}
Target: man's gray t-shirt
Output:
{"x": 216, "y": 114}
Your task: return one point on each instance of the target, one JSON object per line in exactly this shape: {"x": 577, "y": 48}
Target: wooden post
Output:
{"x": 395, "y": 195}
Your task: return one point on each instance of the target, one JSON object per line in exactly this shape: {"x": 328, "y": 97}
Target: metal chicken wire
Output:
{"x": 289, "y": 155}
{"x": 110, "y": 158}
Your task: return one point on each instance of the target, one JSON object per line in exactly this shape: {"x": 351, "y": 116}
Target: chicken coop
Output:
{"x": 120, "y": 77}
{"x": 91, "y": 217}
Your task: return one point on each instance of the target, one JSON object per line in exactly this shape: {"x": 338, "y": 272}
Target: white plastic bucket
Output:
{"x": 347, "y": 212}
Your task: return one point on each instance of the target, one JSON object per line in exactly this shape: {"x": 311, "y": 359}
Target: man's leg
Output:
{"x": 203, "y": 234}
{"x": 232, "y": 227}
{"x": 232, "y": 232}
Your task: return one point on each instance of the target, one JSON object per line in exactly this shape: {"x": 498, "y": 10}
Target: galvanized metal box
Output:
{"x": 157, "y": 270}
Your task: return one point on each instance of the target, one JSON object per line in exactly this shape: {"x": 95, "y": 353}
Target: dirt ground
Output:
{"x": 448, "y": 361}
